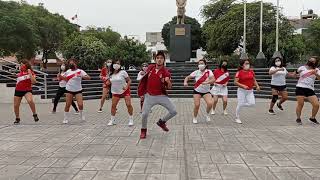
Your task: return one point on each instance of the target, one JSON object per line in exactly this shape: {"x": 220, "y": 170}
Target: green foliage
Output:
{"x": 107, "y": 35}
{"x": 196, "y": 32}
{"x": 313, "y": 37}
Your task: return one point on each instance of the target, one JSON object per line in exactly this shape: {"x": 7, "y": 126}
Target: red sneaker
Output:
{"x": 143, "y": 134}
{"x": 163, "y": 125}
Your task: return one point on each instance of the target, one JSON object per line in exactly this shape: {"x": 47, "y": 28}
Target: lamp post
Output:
{"x": 277, "y": 53}
{"x": 244, "y": 51}
{"x": 261, "y": 57}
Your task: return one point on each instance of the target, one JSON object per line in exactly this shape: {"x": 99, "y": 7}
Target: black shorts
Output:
{"x": 279, "y": 88}
{"x": 304, "y": 92}
{"x": 21, "y": 93}
{"x": 74, "y": 93}
{"x": 202, "y": 94}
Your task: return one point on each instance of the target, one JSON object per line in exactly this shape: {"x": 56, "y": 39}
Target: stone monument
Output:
{"x": 180, "y": 36}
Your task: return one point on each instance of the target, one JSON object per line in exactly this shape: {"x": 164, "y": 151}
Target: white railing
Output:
{"x": 41, "y": 76}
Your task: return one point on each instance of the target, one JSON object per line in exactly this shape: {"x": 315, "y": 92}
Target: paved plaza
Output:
{"x": 264, "y": 147}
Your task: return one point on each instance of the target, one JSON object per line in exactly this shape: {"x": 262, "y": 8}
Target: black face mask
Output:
{"x": 72, "y": 66}
{"x": 311, "y": 64}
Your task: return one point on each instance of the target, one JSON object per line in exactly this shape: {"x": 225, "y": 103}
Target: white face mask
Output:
{"x": 116, "y": 66}
{"x": 63, "y": 67}
{"x": 109, "y": 64}
{"x": 246, "y": 67}
{"x": 201, "y": 67}
{"x": 278, "y": 63}
{"x": 144, "y": 68}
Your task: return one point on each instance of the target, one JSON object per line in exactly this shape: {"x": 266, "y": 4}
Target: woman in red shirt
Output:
{"x": 245, "y": 80}
{"x": 104, "y": 76}
{"x": 25, "y": 79}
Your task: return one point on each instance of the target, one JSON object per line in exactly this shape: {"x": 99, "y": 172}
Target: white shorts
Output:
{"x": 245, "y": 97}
{"x": 219, "y": 90}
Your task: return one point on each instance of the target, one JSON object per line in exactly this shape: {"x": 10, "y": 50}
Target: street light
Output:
{"x": 277, "y": 53}
{"x": 244, "y": 51}
{"x": 261, "y": 57}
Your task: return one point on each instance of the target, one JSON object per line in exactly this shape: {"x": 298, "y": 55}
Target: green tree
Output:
{"x": 313, "y": 37}
{"x": 90, "y": 51}
{"x": 223, "y": 31}
{"x": 196, "y": 32}
{"x": 107, "y": 35}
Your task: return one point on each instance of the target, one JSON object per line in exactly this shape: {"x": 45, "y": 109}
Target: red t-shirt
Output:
{"x": 24, "y": 81}
{"x": 221, "y": 76}
{"x": 104, "y": 72}
{"x": 155, "y": 83}
{"x": 246, "y": 78}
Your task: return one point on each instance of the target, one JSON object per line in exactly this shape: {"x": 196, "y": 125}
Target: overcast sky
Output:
{"x": 136, "y": 17}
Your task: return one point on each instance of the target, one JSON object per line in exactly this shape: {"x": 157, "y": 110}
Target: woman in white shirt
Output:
{"x": 278, "y": 84}
{"x": 203, "y": 77}
{"x": 305, "y": 88}
{"x": 120, "y": 88}
{"x": 74, "y": 78}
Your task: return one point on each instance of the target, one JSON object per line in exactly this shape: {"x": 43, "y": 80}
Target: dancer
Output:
{"x": 25, "y": 78}
{"x": 245, "y": 80}
{"x": 305, "y": 88}
{"x": 62, "y": 90}
{"x": 120, "y": 88}
{"x": 278, "y": 84}
{"x": 203, "y": 77}
{"x": 220, "y": 88}
{"x": 141, "y": 74}
{"x": 104, "y": 76}
{"x": 154, "y": 85}
{"x": 74, "y": 78}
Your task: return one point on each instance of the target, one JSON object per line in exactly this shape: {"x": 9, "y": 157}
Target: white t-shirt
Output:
{"x": 74, "y": 84}
{"x": 306, "y": 80}
{"x": 197, "y": 74}
{"x": 118, "y": 82}
{"x": 62, "y": 83}
{"x": 278, "y": 78}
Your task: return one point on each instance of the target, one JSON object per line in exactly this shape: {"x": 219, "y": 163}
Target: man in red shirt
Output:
{"x": 154, "y": 85}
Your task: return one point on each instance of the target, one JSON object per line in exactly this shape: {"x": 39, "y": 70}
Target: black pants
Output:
{"x": 60, "y": 93}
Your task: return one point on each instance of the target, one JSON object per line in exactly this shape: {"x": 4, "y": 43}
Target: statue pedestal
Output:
{"x": 180, "y": 42}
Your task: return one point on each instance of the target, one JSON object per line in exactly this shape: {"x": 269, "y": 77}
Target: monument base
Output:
{"x": 180, "y": 42}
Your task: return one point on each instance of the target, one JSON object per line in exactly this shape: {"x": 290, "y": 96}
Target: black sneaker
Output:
{"x": 280, "y": 106}
{"x": 35, "y": 117}
{"x": 271, "y": 112}
{"x": 17, "y": 121}
{"x": 314, "y": 120}
{"x": 299, "y": 121}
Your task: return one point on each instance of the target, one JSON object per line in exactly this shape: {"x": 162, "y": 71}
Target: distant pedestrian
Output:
{"x": 105, "y": 77}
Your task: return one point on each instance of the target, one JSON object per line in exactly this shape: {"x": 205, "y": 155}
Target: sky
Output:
{"x": 136, "y": 17}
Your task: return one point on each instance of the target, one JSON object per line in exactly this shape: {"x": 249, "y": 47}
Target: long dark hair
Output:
{"x": 112, "y": 70}
{"x": 317, "y": 61}
{"x": 27, "y": 64}
{"x": 220, "y": 65}
{"x": 273, "y": 63}
{"x": 241, "y": 63}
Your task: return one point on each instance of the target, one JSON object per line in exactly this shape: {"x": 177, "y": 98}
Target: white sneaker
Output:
{"x": 130, "y": 122}
{"x": 208, "y": 119}
{"x": 77, "y": 113}
{"x": 213, "y": 112}
{"x": 100, "y": 111}
{"x": 111, "y": 123}
{"x": 225, "y": 112}
{"x": 238, "y": 121}
{"x": 195, "y": 121}
{"x": 65, "y": 121}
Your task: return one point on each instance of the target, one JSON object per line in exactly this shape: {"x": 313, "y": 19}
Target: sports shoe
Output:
{"x": 238, "y": 121}
{"x": 271, "y": 111}
{"x": 130, "y": 122}
{"x": 143, "y": 133}
{"x": 213, "y": 112}
{"x": 111, "y": 123}
{"x": 77, "y": 113}
{"x": 53, "y": 112}
{"x": 17, "y": 121}
{"x": 162, "y": 125}
{"x": 314, "y": 120}
{"x": 208, "y": 119}
{"x": 36, "y": 118}
{"x": 100, "y": 111}
{"x": 299, "y": 121}
{"x": 225, "y": 112}
{"x": 194, "y": 121}
{"x": 280, "y": 106}
{"x": 65, "y": 121}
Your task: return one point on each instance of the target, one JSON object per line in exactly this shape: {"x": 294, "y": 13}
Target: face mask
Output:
{"x": 278, "y": 63}
{"x": 72, "y": 66}
{"x": 246, "y": 67}
{"x": 311, "y": 64}
{"x": 23, "y": 68}
{"x": 201, "y": 67}
{"x": 116, "y": 66}
{"x": 63, "y": 67}
{"x": 144, "y": 68}
{"x": 109, "y": 64}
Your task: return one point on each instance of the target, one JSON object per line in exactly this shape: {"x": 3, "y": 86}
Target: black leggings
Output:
{"x": 60, "y": 93}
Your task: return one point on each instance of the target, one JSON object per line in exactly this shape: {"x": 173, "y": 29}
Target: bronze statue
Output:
{"x": 181, "y": 4}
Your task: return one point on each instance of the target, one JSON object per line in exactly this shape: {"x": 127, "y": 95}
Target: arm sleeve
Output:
{"x": 210, "y": 73}
{"x": 83, "y": 73}
{"x": 193, "y": 74}
{"x": 125, "y": 74}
